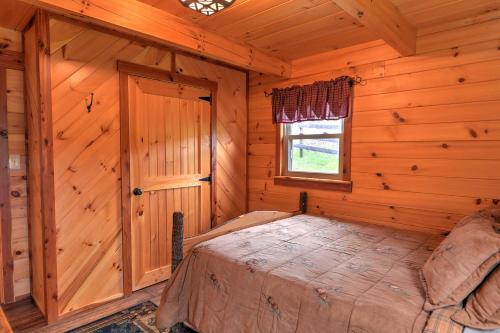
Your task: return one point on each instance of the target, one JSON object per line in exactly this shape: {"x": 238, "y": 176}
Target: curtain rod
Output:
{"x": 357, "y": 80}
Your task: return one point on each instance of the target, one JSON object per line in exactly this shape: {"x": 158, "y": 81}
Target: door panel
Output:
{"x": 170, "y": 152}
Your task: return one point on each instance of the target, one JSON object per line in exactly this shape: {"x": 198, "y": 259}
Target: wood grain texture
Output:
{"x": 429, "y": 13}
{"x": 384, "y": 18}
{"x": 39, "y": 104}
{"x": 280, "y": 27}
{"x": 42, "y": 47}
{"x": 18, "y": 177}
{"x": 18, "y": 185}
{"x": 10, "y": 40}
{"x": 169, "y": 157}
{"x": 11, "y": 59}
{"x": 34, "y": 156}
{"x": 139, "y": 19}
{"x": 87, "y": 165}
{"x": 424, "y": 131}
{"x": 25, "y": 317}
{"x": 284, "y": 27}
{"x": 5, "y": 206}
{"x": 169, "y": 129}
{"x": 87, "y": 155}
{"x": 4, "y": 323}
{"x": 15, "y": 14}
{"x": 126, "y": 191}
{"x": 231, "y": 145}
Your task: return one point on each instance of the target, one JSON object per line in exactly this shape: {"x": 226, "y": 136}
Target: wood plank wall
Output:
{"x": 18, "y": 189}
{"x": 87, "y": 153}
{"x": 426, "y": 129}
{"x": 231, "y": 133}
{"x": 12, "y": 40}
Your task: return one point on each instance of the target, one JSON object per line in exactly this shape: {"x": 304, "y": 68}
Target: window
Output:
{"x": 312, "y": 148}
{"x": 315, "y": 153}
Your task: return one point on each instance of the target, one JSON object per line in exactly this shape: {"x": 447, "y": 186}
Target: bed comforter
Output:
{"x": 302, "y": 274}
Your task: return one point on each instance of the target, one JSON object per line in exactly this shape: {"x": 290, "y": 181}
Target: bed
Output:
{"x": 302, "y": 274}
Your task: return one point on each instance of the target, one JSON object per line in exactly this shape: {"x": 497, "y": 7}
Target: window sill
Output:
{"x": 314, "y": 183}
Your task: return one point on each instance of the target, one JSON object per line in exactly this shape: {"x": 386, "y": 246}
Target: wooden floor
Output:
{"x": 24, "y": 316}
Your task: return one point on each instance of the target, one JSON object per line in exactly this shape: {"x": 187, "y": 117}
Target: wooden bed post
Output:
{"x": 303, "y": 202}
{"x": 177, "y": 254}
{"x": 177, "y": 239}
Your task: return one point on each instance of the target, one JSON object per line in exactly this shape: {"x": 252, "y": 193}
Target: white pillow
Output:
{"x": 473, "y": 330}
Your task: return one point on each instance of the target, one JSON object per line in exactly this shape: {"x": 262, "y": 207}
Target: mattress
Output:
{"x": 302, "y": 274}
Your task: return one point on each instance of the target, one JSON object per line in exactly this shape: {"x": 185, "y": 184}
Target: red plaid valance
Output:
{"x": 318, "y": 101}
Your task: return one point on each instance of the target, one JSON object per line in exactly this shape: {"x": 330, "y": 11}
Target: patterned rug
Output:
{"x": 138, "y": 319}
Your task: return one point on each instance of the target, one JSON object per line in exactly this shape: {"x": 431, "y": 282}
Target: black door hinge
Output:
{"x": 206, "y": 98}
{"x": 206, "y": 179}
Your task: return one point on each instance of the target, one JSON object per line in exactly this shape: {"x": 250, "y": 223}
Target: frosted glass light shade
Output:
{"x": 207, "y": 7}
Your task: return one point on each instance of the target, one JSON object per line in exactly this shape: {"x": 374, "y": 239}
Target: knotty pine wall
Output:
{"x": 87, "y": 153}
{"x": 232, "y": 125}
{"x": 12, "y": 40}
{"x": 426, "y": 129}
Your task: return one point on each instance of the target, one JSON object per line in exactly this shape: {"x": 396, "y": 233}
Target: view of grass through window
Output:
{"x": 314, "y": 146}
{"x": 315, "y": 156}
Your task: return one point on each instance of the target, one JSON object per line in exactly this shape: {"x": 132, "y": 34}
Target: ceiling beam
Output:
{"x": 139, "y": 19}
{"x": 385, "y": 20}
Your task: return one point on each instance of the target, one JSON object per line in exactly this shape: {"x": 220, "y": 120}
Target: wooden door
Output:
{"x": 170, "y": 154}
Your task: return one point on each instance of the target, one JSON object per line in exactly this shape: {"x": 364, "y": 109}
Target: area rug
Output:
{"x": 138, "y": 319}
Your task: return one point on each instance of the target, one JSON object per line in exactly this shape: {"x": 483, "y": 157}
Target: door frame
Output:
{"x": 127, "y": 69}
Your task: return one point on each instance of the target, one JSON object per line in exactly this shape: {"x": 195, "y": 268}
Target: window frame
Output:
{"x": 337, "y": 182}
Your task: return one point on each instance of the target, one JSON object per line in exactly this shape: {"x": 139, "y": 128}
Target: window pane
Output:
{"x": 316, "y": 127}
{"x": 314, "y": 156}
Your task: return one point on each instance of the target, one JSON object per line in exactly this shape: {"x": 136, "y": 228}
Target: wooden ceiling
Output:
{"x": 292, "y": 29}
{"x": 15, "y": 14}
{"x": 281, "y": 27}
{"x": 427, "y": 13}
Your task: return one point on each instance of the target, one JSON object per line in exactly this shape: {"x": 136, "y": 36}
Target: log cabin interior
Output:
{"x": 245, "y": 165}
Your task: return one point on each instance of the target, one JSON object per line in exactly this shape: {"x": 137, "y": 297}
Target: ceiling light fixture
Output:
{"x": 207, "y": 7}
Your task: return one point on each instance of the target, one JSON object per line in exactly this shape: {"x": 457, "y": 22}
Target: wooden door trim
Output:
{"x": 125, "y": 70}
{"x": 39, "y": 104}
{"x": 47, "y": 163}
{"x": 125, "y": 185}
{"x": 164, "y": 75}
{"x": 144, "y": 41}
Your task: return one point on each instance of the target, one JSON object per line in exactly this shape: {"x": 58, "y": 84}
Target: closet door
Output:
{"x": 170, "y": 168}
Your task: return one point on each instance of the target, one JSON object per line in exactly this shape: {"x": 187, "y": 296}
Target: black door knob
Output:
{"x": 137, "y": 191}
